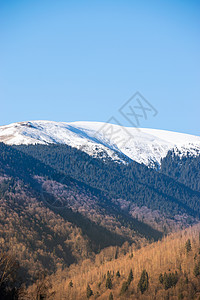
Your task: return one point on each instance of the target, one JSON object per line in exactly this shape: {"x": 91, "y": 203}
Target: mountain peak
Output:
{"x": 143, "y": 145}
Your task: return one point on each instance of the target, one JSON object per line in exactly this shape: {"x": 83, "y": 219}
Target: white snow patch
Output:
{"x": 146, "y": 146}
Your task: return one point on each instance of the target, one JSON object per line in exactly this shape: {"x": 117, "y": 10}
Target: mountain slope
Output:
{"x": 61, "y": 220}
{"x": 180, "y": 271}
{"x": 71, "y": 198}
{"x": 184, "y": 169}
{"x": 75, "y": 209}
{"x": 62, "y": 181}
{"x": 138, "y": 190}
{"x": 146, "y": 146}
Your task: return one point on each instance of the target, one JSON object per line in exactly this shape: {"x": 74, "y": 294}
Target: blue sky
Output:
{"x": 82, "y": 60}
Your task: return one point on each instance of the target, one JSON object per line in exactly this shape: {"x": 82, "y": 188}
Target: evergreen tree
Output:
{"x": 71, "y": 284}
{"x": 186, "y": 278}
{"x": 130, "y": 277}
{"x": 143, "y": 282}
{"x": 188, "y": 246}
{"x": 161, "y": 278}
{"x": 169, "y": 280}
{"x": 109, "y": 281}
{"x": 124, "y": 287}
{"x": 89, "y": 291}
{"x": 166, "y": 281}
{"x": 111, "y": 296}
{"x": 197, "y": 269}
{"x": 118, "y": 274}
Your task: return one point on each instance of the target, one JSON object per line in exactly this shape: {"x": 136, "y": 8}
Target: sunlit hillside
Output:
{"x": 171, "y": 255}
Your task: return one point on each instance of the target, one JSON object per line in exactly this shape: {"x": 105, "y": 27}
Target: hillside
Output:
{"x": 142, "y": 192}
{"x": 176, "y": 257}
{"x": 61, "y": 219}
{"x": 184, "y": 169}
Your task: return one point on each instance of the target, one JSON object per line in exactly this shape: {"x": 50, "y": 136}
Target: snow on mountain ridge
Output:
{"x": 146, "y": 146}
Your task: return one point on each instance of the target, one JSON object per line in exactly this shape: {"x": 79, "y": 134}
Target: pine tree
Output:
{"x": 118, "y": 274}
{"x": 143, "y": 282}
{"x": 130, "y": 277}
{"x": 197, "y": 270}
{"x": 161, "y": 278}
{"x": 124, "y": 287}
{"x": 186, "y": 278}
{"x": 109, "y": 281}
{"x": 71, "y": 284}
{"x": 89, "y": 291}
{"x": 110, "y": 296}
{"x": 169, "y": 280}
{"x": 188, "y": 246}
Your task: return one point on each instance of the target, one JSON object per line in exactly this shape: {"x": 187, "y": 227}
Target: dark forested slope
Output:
{"x": 184, "y": 169}
{"x": 132, "y": 182}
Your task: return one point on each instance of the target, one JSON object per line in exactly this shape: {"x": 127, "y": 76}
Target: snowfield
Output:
{"x": 98, "y": 139}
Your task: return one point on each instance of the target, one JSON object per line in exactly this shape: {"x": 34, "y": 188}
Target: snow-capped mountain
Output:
{"x": 146, "y": 146}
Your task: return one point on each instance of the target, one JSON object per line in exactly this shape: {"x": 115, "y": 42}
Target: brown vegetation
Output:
{"x": 39, "y": 239}
{"x": 171, "y": 256}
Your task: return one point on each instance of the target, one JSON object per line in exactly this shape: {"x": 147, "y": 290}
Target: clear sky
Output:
{"x": 81, "y": 60}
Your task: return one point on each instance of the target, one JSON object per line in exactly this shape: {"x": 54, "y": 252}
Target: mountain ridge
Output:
{"x": 143, "y": 145}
